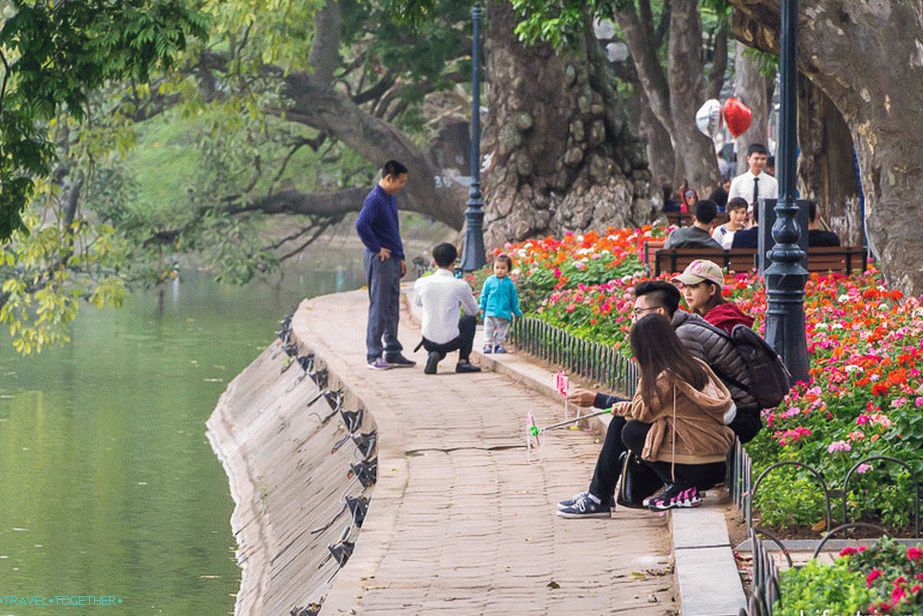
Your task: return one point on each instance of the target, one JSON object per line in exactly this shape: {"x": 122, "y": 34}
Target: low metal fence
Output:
{"x": 595, "y": 361}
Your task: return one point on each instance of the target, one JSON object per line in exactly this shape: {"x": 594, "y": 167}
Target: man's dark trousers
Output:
{"x": 463, "y": 342}
{"x": 384, "y": 280}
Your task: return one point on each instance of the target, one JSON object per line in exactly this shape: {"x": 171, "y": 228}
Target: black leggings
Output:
{"x": 622, "y": 435}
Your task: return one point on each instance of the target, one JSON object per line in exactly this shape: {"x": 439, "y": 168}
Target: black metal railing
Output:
{"x": 595, "y": 361}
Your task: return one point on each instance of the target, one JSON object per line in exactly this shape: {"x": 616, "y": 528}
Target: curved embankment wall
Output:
{"x": 284, "y": 478}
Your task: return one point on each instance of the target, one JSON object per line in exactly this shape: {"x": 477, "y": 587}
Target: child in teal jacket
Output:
{"x": 499, "y": 302}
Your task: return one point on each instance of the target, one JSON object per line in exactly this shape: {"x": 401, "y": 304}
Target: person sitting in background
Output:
{"x": 771, "y": 166}
{"x": 720, "y": 195}
{"x": 699, "y": 234}
{"x": 748, "y": 238}
{"x": 737, "y": 221}
{"x": 817, "y": 235}
{"x": 669, "y": 203}
{"x": 690, "y": 198}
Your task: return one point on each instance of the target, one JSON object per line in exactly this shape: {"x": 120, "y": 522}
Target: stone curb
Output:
{"x": 705, "y": 569}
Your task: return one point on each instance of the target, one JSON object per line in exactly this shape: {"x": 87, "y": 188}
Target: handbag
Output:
{"x": 636, "y": 482}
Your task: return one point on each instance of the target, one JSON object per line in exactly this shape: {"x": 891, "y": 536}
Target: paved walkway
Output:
{"x": 459, "y": 522}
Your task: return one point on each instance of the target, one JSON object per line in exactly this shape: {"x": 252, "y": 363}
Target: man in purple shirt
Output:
{"x": 378, "y": 227}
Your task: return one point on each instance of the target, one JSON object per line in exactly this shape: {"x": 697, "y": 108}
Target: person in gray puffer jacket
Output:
{"x": 705, "y": 342}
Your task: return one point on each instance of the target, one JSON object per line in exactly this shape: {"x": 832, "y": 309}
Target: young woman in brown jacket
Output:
{"x": 678, "y": 417}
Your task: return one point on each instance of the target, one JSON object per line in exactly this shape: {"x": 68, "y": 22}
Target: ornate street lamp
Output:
{"x": 473, "y": 254}
{"x": 786, "y": 277}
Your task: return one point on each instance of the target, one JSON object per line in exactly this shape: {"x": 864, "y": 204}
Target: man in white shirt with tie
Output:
{"x": 442, "y": 296}
{"x": 755, "y": 183}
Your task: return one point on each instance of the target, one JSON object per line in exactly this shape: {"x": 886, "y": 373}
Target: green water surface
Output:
{"x": 108, "y": 485}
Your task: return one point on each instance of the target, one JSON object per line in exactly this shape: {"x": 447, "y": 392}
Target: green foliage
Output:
{"x": 559, "y": 22}
{"x": 768, "y": 62}
{"x": 816, "y": 588}
{"x": 56, "y": 53}
{"x": 48, "y": 269}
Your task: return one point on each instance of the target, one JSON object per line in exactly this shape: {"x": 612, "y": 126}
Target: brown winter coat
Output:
{"x": 701, "y": 436}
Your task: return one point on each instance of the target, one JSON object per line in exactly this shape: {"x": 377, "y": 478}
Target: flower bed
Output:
{"x": 886, "y": 578}
{"x": 864, "y": 397}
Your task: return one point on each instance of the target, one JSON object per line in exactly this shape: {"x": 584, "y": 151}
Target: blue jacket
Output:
{"x": 499, "y": 298}
{"x": 378, "y": 223}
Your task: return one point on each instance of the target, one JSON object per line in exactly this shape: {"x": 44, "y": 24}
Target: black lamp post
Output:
{"x": 473, "y": 254}
{"x": 785, "y": 278}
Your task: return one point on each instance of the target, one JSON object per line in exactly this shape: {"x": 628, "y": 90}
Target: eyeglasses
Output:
{"x": 637, "y": 312}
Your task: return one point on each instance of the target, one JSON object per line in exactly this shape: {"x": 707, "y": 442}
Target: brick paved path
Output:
{"x": 459, "y": 522}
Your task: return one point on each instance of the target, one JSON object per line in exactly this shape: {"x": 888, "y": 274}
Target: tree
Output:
{"x": 54, "y": 54}
{"x": 673, "y": 91}
{"x": 865, "y": 59}
{"x": 562, "y": 155}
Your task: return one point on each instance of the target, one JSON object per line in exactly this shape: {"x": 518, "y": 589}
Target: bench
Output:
{"x": 821, "y": 259}
{"x": 841, "y": 259}
{"x": 671, "y": 260}
{"x": 684, "y": 219}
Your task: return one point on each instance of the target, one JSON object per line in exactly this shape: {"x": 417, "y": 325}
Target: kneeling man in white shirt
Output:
{"x": 441, "y": 296}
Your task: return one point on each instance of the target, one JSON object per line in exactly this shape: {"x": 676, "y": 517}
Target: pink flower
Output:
{"x": 580, "y": 265}
{"x": 862, "y": 419}
{"x": 863, "y": 468}
{"x": 919, "y": 401}
{"x": 914, "y": 553}
{"x": 839, "y": 446}
{"x": 856, "y": 436}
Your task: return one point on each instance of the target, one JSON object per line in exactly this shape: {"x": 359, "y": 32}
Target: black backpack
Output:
{"x": 770, "y": 380}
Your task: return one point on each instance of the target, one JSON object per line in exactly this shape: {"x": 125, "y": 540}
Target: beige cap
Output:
{"x": 701, "y": 270}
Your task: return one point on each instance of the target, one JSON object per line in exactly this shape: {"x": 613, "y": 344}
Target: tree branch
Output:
{"x": 719, "y": 63}
{"x": 328, "y": 28}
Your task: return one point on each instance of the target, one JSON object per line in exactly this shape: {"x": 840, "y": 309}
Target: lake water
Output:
{"x": 108, "y": 486}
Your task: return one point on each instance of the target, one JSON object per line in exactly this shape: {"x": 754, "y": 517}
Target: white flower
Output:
{"x": 843, "y": 298}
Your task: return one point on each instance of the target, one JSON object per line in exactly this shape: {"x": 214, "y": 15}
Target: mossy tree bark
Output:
{"x": 559, "y": 154}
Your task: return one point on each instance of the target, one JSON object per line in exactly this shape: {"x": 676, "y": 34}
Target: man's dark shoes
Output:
{"x": 399, "y": 361}
{"x": 431, "y": 362}
{"x": 466, "y": 367}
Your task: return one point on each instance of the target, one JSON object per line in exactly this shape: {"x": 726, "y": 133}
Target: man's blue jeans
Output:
{"x": 384, "y": 280}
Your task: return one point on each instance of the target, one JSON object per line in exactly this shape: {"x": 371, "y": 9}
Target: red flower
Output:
{"x": 847, "y": 551}
{"x": 914, "y": 553}
{"x": 871, "y": 577}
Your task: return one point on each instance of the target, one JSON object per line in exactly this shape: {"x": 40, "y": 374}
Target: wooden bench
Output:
{"x": 684, "y": 219}
{"x": 672, "y": 260}
{"x": 839, "y": 259}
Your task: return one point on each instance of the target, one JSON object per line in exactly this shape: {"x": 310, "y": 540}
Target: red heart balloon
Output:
{"x": 737, "y": 117}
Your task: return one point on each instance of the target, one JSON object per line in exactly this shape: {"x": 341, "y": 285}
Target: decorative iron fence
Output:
{"x": 592, "y": 360}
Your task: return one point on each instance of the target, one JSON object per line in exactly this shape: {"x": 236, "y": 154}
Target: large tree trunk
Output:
{"x": 660, "y": 156}
{"x": 687, "y": 93}
{"x": 866, "y": 57}
{"x": 560, "y": 154}
{"x": 755, "y": 91}
{"x": 826, "y": 168}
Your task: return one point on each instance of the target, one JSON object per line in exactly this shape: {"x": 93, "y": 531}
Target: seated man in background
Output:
{"x": 817, "y": 235}
{"x": 698, "y": 235}
{"x": 441, "y": 296}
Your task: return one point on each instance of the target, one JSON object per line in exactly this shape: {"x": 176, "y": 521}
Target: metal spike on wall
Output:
{"x": 358, "y": 507}
{"x": 366, "y": 472}
{"x": 352, "y": 420}
{"x": 366, "y": 442}
{"x": 307, "y": 362}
